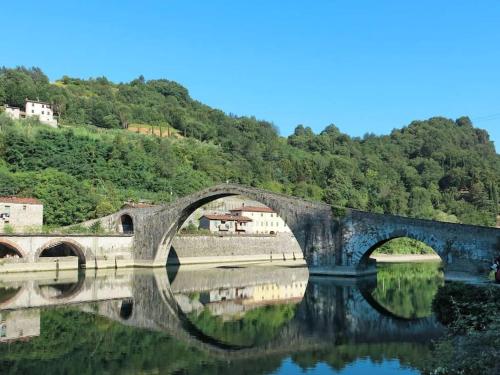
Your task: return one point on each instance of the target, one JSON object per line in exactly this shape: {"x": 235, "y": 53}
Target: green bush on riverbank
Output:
{"x": 472, "y": 316}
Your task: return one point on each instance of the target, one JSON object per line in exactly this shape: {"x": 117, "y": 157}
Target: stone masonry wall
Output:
{"x": 190, "y": 247}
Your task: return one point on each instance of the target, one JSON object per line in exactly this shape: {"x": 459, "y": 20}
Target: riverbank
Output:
{"x": 406, "y": 258}
{"x": 471, "y": 314}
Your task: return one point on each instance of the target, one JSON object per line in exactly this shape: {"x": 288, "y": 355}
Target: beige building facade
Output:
{"x": 264, "y": 220}
{"x": 20, "y": 214}
{"x": 42, "y": 110}
{"x": 13, "y": 112}
{"x": 217, "y": 223}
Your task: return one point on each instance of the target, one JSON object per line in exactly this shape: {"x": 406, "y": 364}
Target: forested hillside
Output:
{"x": 438, "y": 168}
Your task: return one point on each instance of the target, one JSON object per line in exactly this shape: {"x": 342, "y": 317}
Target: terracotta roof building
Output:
{"x": 224, "y": 223}
{"x": 264, "y": 220}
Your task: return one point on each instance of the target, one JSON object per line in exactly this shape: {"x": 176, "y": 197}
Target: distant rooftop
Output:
{"x": 9, "y": 106}
{"x": 36, "y": 101}
{"x": 19, "y": 200}
{"x": 227, "y": 217}
{"x": 253, "y": 209}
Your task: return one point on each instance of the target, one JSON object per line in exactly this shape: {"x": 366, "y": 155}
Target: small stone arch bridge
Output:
{"x": 329, "y": 237}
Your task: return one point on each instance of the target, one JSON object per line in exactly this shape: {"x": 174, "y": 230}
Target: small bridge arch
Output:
{"x": 60, "y": 247}
{"x": 9, "y": 248}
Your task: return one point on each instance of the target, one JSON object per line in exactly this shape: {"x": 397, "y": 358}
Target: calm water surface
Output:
{"x": 234, "y": 320}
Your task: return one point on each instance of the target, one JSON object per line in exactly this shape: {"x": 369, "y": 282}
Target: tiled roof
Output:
{"x": 19, "y": 200}
{"x": 227, "y": 217}
{"x": 253, "y": 209}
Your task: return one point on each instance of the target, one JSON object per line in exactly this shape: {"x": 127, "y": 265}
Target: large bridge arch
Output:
{"x": 311, "y": 223}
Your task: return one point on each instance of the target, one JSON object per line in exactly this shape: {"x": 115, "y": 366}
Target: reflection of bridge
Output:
{"x": 330, "y": 312}
{"x": 327, "y": 236}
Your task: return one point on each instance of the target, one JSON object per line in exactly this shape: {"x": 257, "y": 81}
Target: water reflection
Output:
{"x": 254, "y": 319}
{"x": 238, "y": 307}
{"x": 406, "y": 290}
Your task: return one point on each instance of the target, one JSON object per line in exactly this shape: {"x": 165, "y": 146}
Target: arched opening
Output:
{"x": 126, "y": 224}
{"x": 8, "y": 251}
{"x": 62, "y": 289}
{"x": 64, "y": 249}
{"x": 409, "y": 274}
{"x": 231, "y": 228}
{"x": 242, "y": 306}
{"x": 126, "y": 309}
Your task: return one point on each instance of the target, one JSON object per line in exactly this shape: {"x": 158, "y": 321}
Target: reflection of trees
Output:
{"x": 72, "y": 342}
{"x": 338, "y": 357}
{"x": 257, "y": 326}
{"x": 407, "y": 290}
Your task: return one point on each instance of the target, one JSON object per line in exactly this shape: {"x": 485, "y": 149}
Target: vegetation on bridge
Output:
{"x": 438, "y": 168}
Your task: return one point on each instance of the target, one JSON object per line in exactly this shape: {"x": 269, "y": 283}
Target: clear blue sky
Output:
{"x": 367, "y": 66}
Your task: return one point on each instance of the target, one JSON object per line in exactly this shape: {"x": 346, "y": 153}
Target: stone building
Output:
{"x": 42, "y": 110}
{"x": 225, "y": 223}
{"x": 263, "y": 220}
{"x": 21, "y": 214}
{"x": 13, "y": 112}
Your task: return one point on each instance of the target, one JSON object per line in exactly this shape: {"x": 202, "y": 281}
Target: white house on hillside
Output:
{"x": 13, "y": 112}
{"x": 42, "y": 110}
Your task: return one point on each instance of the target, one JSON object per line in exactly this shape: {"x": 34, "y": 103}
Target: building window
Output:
{"x": 43, "y": 112}
{"x": 32, "y": 111}
{"x": 24, "y": 208}
{"x": 43, "y": 106}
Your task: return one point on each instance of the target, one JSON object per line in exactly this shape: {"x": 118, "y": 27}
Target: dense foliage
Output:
{"x": 404, "y": 245}
{"x": 438, "y": 168}
{"x": 472, "y": 315}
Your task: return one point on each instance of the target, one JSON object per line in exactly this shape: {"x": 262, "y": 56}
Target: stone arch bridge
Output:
{"x": 328, "y": 236}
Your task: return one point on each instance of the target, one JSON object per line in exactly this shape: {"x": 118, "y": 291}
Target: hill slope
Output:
{"x": 438, "y": 168}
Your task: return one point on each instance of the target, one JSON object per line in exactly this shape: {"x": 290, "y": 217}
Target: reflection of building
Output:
{"x": 235, "y": 300}
{"x": 19, "y": 325}
{"x": 225, "y": 223}
{"x": 264, "y": 219}
{"x": 21, "y": 214}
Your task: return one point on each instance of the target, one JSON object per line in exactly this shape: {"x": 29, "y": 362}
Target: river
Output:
{"x": 257, "y": 319}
